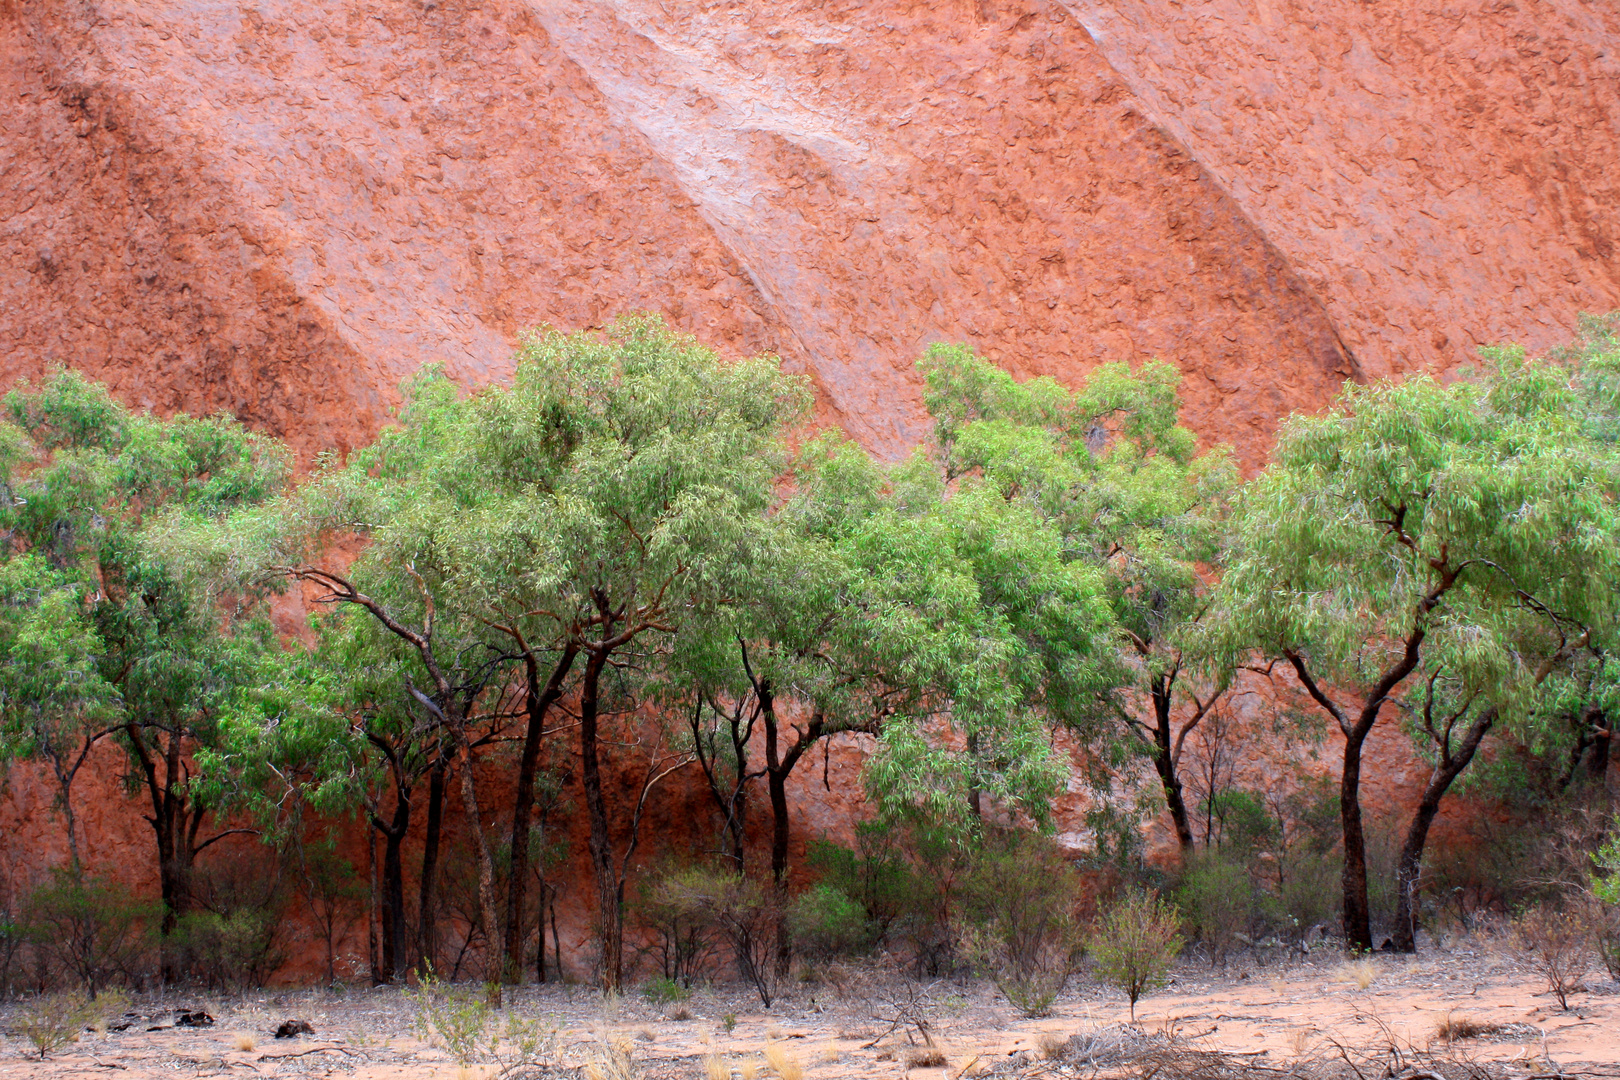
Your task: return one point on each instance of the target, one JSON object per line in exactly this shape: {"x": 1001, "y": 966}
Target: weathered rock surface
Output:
{"x": 284, "y": 208}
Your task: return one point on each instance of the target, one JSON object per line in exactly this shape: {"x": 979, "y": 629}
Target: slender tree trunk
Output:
{"x": 1164, "y": 762}
{"x": 393, "y": 890}
{"x": 610, "y": 920}
{"x": 427, "y": 906}
{"x": 373, "y": 958}
{"x": 1441, "y": 778}
{"x": 75, "y": 863}
{"x": 1357, "y": 917}
{"x": 494, "y": 962}
{"x": 539, "y": 702}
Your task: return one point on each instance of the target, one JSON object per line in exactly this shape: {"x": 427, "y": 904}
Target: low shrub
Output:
{"x": 665, "y": 991}
{"x": 1307, "y": 895}
{"x": 827, "y": 924}
{"x": 1019, "y": 898}
{"x": 1134, "y": 945}
{"x": 232, "y": 951}
{"x": 683, "y": 934}
{"x": 1557, "y": 944}
{"x": 744, "y": 913}
{"x": 91, "y": 929}
{"x": 54, "y": 1021}
{"x": 1217, "y": 899}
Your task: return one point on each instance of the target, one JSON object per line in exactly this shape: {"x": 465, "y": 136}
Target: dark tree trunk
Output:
{"x": 539, "y": 702}
{"x": 778, "y": 767}
{"x": 1357, "y": 916}
{"x": 427, "y": 905}
{"x": 393, "y": 892}
{"x": 1445, "y": 771}
{"x": 610, "y": 928}
{"x": 1164, "y": 762}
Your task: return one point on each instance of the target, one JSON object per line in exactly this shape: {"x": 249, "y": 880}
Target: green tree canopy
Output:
{"x": 1457, "y": 538}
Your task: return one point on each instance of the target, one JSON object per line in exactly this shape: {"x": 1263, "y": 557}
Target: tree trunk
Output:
{"x": 1357, "y": 917}
{"x": 427, "y": 945}
{"x": 373, "y": 957}
{"x": 494, "y": 962}
{"x": 539, "y": 702}
{"x": 610, "y": 920}
{"x": 1164, "y": 762}
{"x": 393, "y": 892}
{"x": 1444, "y": 773}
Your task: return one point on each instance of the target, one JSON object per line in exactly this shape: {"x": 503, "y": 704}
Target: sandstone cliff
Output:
{"x": 282, "y": 208}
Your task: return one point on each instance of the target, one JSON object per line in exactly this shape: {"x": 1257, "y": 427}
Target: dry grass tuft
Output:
{"x": 925, "y": 1057}
{"x": 715, "y": 1068}
{"x": 613, "y": 1062}
{"x": 244, "y": 1041}
{"x": 1361, "y": 973}
{"x": 1454, "y": 1028}
{"x": 784, "y": 1064}
{"x": 1052, "y": 1047}
{"x": 748, "y": 1068}
{"x": 1300, "y": 1042}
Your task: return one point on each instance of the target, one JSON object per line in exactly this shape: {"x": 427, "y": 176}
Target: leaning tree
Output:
{"x": 1428, "y": 549}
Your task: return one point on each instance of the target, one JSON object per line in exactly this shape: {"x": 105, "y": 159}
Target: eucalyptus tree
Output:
{"x": 636, "y": 468}
{"x": 561, "y": 529}
{"x": 863, "y": 616}
{"x": 1458, "y": 541}
{"x": 85, "y": 486}
{"x": 1107, "y": 475}
{"x": 55, "y": 706}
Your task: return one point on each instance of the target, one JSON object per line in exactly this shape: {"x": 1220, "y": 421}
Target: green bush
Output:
{"x": 1307, "y": 895}
{"x": 54, "y": 1021}
{"x": 1241, "y": 823}
{"x": 91, "y": 929}
{"x": 665, "y": 991}
{"x": 683, "y": 933}
{"x": 826, "y": 923}
{"x": 457, "y": 1020}
{"x": 1134, "y": 945}
{"x": 905, "y": 879}
{"x": 229, "y": 952}
{"x": 1020, "y": 897}
{"x": 1216, "y": 898}
{"x": 460, "y": 1021}
{"x": 738, "y": 910}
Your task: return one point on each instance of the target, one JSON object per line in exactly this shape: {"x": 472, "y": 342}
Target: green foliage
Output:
{"x": 683, "y": 929}
{"x": 1606, "y": 882}
{"x": 1020, "y": 895}
{"x": 665, "y": 991}
{"x": 103, "y": 630}
{"x": 52, "y": 1022}
{"x": 905, "y": 878}
{"x": 1067, "y": 499}
{"x": 743, "y": 912}
{"x": 1306, "y": 896}
{"x": 230, "y": 951}
{"x": 1134, "y": 945}
{"x": 457, "y": 1020}
{"x": 90, "y": 928}
{"x": 826, "y": 923}
{"x": 1217, "y": 899}
{"x": 460, "y": 1021}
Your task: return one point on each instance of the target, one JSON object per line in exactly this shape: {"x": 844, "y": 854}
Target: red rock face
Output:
{"x": 284, "y": 208}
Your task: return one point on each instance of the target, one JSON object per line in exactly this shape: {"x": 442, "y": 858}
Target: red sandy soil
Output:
{"x": 1282, "y": 1010}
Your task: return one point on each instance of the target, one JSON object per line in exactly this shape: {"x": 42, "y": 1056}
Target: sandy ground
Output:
{"x": 1278, "y": 1012}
